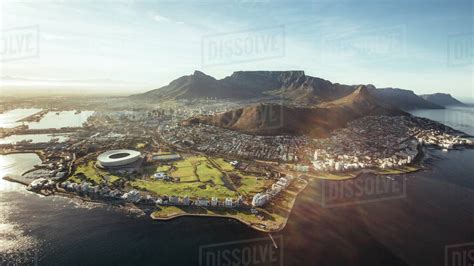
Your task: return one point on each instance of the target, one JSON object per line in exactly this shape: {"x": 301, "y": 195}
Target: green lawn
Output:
{"x": 74, "y": 179}
{"x": 226, "y": 166}
{"x": 113, "y": 178}
{"x": 398, "y": 170}
{"x": 198, "y": 177}
{"x": 191, "y": 178}
{"x": 195, "y": 159}
{"x": 208, "y": 173}
{"x": 275, "y": 217}
{"x": 163, "y": 168}
{"x": 92, "y": 174}
{"x": 250, "y": 185}
{"x": 334, "y": 176}
{"x": 194, "y": 189}
{"x": 183, "y": 163}
{"x": 183, "y": 172}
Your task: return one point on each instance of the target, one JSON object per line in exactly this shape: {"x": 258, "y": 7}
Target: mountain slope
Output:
{"x": 273, "y": 119}
{"x": 198, "y": 85}
{"x": 290, "y": 86}
{"x": 443, "y": 99}
{"x": 403, "y": 99}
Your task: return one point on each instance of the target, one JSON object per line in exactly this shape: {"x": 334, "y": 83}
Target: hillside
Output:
{"x": 273, "y": 119}
{"x": 291, "y": 86}
{"x": 443, "y": 99}
{"x": 403, "y": 99}
{"x": 197, "y": 85}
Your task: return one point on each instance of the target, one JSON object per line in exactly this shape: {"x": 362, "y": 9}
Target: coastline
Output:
{"x": 415, "y": 166}
{"x": 75, "y": 197}
{"x": 262, "y": 227}
{"x": 275, "y": 221}
{"x": 11, "y": 179}
{"x": 129, "y": 207}
{"x": 40, "y": 153}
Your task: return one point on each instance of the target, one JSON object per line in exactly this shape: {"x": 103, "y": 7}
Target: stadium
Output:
{"x": 118, "y": 158}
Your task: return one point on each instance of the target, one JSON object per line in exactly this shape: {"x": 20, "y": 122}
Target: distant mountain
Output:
{"x": 198, "y": 85}
{"x": 290, "y": 86}
{"x": 273, "y": 119}
{"x": 443, "y": 99}
{"x": 404, "y": 99}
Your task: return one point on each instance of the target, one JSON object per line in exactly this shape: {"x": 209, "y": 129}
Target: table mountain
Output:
{"x": 288, "y": 86}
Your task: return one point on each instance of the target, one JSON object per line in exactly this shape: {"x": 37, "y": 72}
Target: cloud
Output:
{"x": 159, "y": 18}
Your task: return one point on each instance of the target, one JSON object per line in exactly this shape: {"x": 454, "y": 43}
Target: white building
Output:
{"x": 132, "y": 196}
{"x": 239, "y": 201}
{"x": 85, "y": 187}
{"x": 173, "y": 200}
{"x": 331, "y": 164}
{"x": 283, "y": 182}
{"x": 228, "y": 202}
{"x": 277, "y": 188}
{"x": 186, "y": 200}
{"x": 214, "y": 201}
{"x": 259, "y": 199}
{"x": 202, "y": 202}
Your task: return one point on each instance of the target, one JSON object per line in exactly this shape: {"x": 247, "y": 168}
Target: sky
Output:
{"x": 425, "y": 45}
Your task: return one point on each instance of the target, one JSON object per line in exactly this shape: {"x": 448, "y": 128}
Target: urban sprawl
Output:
{"x": 369, "y": 142}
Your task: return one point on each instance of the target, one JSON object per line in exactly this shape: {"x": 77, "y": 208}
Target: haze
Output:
{"x": 129, "y": 46}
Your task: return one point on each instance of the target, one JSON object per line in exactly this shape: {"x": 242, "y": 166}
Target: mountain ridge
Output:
{"x": 443, "y": 99}
{"x": 292, "y": 86}
{"x": 318, "y": 121}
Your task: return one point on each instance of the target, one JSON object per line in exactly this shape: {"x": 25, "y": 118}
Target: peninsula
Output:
{"x": 227, "y": 156}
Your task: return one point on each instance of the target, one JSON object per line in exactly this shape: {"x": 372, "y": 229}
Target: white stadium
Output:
{"x": 118, "y": 158}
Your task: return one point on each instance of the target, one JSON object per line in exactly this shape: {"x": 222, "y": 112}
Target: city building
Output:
{"x": 260, "y": 199}
{"x": 214, "y": 201}
{"x": 173, "y": 200}
{"x": 228, "y": 202}
{"x": 239, "y": 201}
{"x": 202, "y": 202}
{"x": 186, "y": 200}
